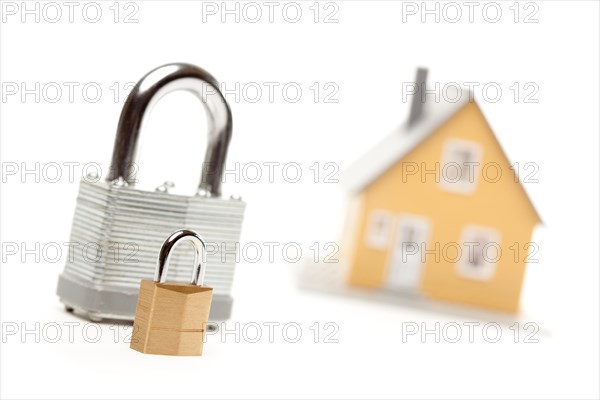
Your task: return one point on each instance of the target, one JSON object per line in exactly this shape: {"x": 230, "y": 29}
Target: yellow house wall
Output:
{"x": 500, "y": 205}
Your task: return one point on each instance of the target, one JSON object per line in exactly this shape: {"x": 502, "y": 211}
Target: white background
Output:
{"x": 368, "y": 54}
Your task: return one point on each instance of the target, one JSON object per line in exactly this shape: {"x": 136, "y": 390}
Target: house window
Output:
{"x": 379, "y": 229}
{"x": 460, "y": 166}
{"x": 480, "y": 252}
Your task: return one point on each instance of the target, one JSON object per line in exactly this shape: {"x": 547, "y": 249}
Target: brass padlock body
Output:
{"x": 171, "y": 318}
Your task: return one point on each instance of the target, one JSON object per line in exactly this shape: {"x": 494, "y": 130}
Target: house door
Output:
{"x": 406, "y": 260}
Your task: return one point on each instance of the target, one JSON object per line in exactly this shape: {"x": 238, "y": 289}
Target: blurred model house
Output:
{"x": 437, "y": 209}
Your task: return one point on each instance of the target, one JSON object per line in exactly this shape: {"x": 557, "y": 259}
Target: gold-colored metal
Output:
{"x": 171, "y": 318}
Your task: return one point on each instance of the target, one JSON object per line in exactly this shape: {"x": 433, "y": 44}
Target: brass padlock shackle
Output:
{"x": 183, "y": 235}
{"x": 146, "y": 93}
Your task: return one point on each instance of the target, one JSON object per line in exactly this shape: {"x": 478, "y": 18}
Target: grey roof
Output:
{"x": 400, "y": 142}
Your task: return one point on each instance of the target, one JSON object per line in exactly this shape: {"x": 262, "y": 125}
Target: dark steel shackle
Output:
{"x": 146, "y": 93}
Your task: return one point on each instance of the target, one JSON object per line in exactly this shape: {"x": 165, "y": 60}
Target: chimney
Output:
{"x": 418, "y": 101}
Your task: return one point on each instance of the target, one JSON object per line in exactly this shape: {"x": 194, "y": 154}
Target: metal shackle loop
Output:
{"x": 146, "y": 93}
{"x": 166, "y": 250}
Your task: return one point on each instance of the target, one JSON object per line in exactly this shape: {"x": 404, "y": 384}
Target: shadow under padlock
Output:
{"x": 119, "y": 229}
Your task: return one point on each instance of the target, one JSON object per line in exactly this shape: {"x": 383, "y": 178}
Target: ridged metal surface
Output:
{"x": 118, "y": 231}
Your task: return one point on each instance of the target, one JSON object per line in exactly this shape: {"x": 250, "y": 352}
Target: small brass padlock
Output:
{"x": 171, "y": 318}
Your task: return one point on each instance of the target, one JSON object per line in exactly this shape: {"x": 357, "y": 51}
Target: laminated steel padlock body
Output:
{"x": 125, "y": 226}
{"x": 171, "y": 318}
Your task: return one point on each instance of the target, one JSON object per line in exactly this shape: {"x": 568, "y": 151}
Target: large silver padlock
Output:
{"x": 118, "y": 229}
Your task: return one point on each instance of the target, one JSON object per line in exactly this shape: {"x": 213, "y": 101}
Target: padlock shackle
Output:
{"x": 164, "y": 256}
{"x": 146, "y": 93}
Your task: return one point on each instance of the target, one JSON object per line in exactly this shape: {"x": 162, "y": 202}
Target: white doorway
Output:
{"x": 406, "y": 259}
